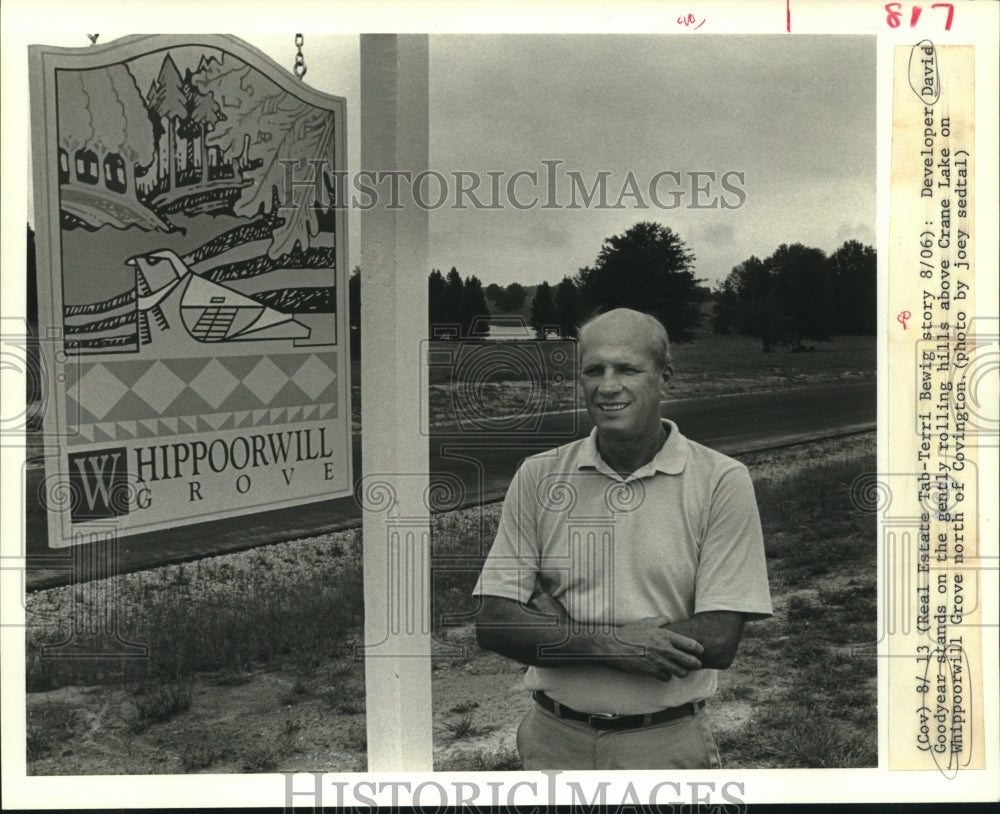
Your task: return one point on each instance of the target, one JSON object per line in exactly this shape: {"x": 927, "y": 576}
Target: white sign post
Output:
{"x": 394, "y": 491}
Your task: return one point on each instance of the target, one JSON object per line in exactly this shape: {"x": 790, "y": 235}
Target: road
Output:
{"x": 472, "y": 465}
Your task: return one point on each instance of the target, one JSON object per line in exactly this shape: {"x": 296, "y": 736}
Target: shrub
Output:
{"x": 502, "y": 759}
{"x": 259, "y": 758}
{"x": 229, "y": 626}
{"x": 151, "y": 704}
{"x": 47, "y": 724}
{"x": 356, "y": 737}
{"x": 464, "y": 727}
{"x": 197, "y": 756}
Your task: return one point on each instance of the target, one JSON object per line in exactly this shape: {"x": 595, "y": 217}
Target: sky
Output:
{"x": 794, "y": 115}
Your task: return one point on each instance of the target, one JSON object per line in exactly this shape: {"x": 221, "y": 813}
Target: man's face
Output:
{"x": 622, "y": 382}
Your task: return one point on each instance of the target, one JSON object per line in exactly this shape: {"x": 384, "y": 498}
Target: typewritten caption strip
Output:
{"x": 933, "y": 571}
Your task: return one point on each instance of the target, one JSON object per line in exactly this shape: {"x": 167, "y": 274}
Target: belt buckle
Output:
{"x": 600, "y": 716}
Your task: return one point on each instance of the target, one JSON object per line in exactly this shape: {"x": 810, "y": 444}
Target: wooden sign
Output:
{"x": 192, "y": 284}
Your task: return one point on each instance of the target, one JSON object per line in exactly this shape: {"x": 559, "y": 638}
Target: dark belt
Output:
{"x": 603, "y": 721}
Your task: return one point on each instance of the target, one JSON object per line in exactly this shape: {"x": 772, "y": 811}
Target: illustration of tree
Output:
{"x": 103, "y": 110}
{"x": 105, "y": 139}
{"x": 202, "y": 115}
{"x": 75, "y": 120}
{"x": 156, "y": 122}
{"x": 649, "y": 269}
{"x": 259, "y": 116}
{"x": 187, "y": 129}
{"x": 170, "y": 105}
{"x": 124, "y": 124}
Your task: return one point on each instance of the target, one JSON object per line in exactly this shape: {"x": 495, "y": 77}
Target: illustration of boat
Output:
{"x": 210, "y": 312}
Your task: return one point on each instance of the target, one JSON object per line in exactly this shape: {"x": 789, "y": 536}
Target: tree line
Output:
{"x": 456, "y": 307}
{"x": 648, "y": 268}
{"x": 796, "y": 294}
{"x": 800, "y": 293}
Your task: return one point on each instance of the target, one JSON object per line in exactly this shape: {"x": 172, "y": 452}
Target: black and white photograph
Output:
{"x": 462, "y": 405}
{"x": 667, "y": 171}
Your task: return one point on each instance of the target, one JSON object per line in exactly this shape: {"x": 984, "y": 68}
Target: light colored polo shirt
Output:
{"x": 679, "y": 536}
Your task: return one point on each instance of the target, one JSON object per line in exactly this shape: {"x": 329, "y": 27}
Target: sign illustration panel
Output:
{"x": 198, "y": 294}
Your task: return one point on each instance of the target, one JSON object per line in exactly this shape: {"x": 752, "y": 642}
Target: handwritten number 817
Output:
{"x": 893, "y": 13}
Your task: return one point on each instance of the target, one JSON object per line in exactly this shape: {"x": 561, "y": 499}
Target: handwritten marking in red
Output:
{"x": 902, "y": 316}
{"x": 788, "y": 16}
{"x": 951, "y": 13}
{"x": 689, "y": 19}
{"x": 894, "y": 14}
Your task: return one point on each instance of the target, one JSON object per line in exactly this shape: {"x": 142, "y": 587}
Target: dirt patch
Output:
{"x": 480, "y": 692}
{"x": 271, "y": 722}
{"x": 266, "y": 725}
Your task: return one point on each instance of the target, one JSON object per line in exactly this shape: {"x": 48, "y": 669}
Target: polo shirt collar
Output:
{"x": 670, "y": 458}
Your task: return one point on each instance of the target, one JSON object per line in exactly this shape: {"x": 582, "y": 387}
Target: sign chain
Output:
{"x": 300, "y": 60}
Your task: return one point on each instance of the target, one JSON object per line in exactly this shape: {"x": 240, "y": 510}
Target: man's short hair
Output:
{"x": 658, "y": 341}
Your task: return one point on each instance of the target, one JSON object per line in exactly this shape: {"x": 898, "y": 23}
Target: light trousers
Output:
{"x": 547, "y": 742}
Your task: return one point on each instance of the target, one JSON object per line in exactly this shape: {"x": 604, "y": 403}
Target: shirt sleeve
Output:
{"x": 512, "y": 564}
{"x": 732, "y": 568}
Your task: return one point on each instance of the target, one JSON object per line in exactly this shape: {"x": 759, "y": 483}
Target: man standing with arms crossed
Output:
{"x": 623, "y": 570}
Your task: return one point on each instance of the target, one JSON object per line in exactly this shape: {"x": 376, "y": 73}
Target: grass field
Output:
{"x": 501, "y": 378}
{"x": 809, "y": 673}
{"x": 264, "y": 641}
{"x": 709, "y": 354}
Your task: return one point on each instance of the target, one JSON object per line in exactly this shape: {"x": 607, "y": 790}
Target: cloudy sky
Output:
{"x": 794, "y": 114}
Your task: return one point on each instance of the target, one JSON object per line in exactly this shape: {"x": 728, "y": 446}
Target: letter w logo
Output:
{"x": 99, "y": 484}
